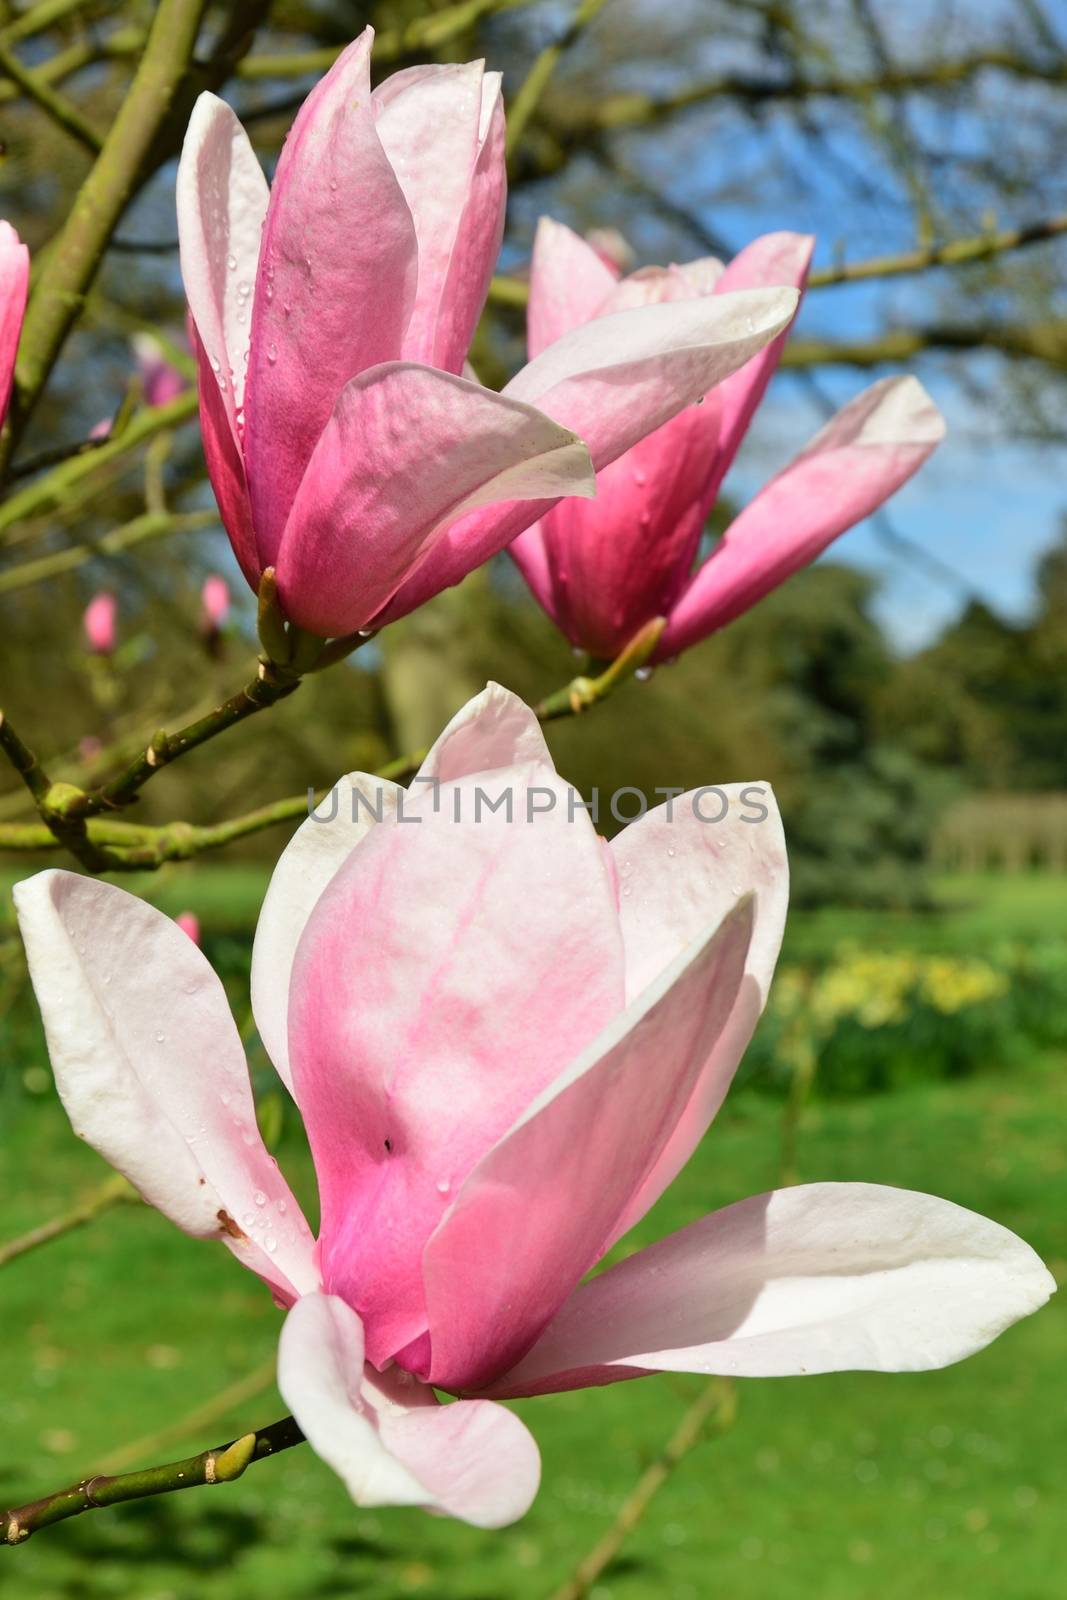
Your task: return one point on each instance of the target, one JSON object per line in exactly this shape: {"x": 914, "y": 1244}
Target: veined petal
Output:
{"x": 824, "y": 1277}
{"x": 222, "y": 200}
{"x": 569, "y": 283}
{"x": 863, "y": 455}
{"x": 538, "y": 1210}
{"x": 433, "y": 128}
{"x": 389, "y": 1441}
{"x": 455, "y": 965}
{"x": 14, "y": 282}
{"x": 312, "y": 858}
{"x": 407, "y": 451}
{"x": 682, "y": 865}
{"x": 150, "y": 1068}
{"x": 337, "y": 279}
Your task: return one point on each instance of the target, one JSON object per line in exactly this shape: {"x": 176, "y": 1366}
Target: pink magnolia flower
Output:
{"x": 14, "y": 283}
{"x": 604, "y": 569}
{"x": 160, "y": 378}
{"x": 505, "y": 1038}
{"x": 99, "y": 623}
{"x": 333, "y": 314}
{"x": 214, "y": 602}
{"x": 189, "y": 923}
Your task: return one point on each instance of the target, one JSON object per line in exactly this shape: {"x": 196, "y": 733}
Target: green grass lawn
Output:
{"x": 944, "y": 1483}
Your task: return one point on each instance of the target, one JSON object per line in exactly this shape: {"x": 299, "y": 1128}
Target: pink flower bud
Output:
{"x": 14, "y": 279}
{"x": 189, "y": 923}
{"x": 160, "y": 379}
{"x": 99, "y": 623}
{"x": 215, "y": 602}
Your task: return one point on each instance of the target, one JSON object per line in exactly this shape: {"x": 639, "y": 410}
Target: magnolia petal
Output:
{"x": 337, "y": 280}
{"x": 430, "y": 123}
{"x": 863, "y": 455}
{"x": 682, "y": 865}
{"x": 824, "y": 1277}
{"x": 150, "y": 1068}
{"x": 617, "y": 378}
{"x": 537, "y": 1211}
{"x": 612, "y": 381}
{"x": 478, "y": 240}
{"x": 392, "y": 1443}
{"x": 407, "y": 451}
{"x": 316, "y": 852}
{"x": 495, "y": 729}
{"x": 773, "y": 259}
{"x": 14, "y": 282}
{"x": 225, "y": 466}
{"x": 392, "y": 1040}
{"x": 569, "y": 282}
{"x": 222, "y": 199}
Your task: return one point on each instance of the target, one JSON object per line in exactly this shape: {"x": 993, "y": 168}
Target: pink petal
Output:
{"x": 495, "y": 729}
{"x": 407, "y": 451}
{"x": 682, "y": 870}
{"x": 538, "y": 1210}
{"x": 225, "y": 466}
{"x": 775, "y": 258}
{"x": 433, "y": 123}
{"x": 314, "y": 855}
{"x": 391, "y": 1442}
{"x": 612, "y": 381}
{"x": 337, "y": 278}
{"x": 619, "y": 560}
{"x": 150, "y": 1068}
{"x": 222, "y": 201}
{"x": 826, "y": 1277}
{"x": 14, "y": 282}
{"x": 449, "y": 972}
{"x": 863, "y": 455}
{"x": 569, "y": 283}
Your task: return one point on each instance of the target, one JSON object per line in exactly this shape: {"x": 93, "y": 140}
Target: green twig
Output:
{"x": 72, "y": 261}
{"x": 150, "y": 525}
{"x": 222, "y": 1464}
{"x": 422, "y": 33}
{"x": 63, "y": 112}
{"x": 537, "y": 79}
{"x": 116, "y": 1191}
{"x": 583, "y": 692}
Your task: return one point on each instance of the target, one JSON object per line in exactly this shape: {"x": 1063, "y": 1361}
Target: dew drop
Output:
{"x": 216, "y": 364}
{"x": 248, "y": 1219}
{"x": 231, "y": 262}
{"x": 225, "y": 1097}
{"x": 272, "y": 353}
{"x": 161, "y": 1038}
{"x": 271, "y": 1243}
{"x": 259, "y": 1197}
{"x": 640, "y": 477}
{"x": 643, "y": 674}
{"x": 443, "y": 1185}
{"x": 282, "y": 1208}
{"x": 248, "y": 1137}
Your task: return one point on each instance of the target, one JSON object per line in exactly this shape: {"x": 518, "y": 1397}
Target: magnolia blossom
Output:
{"x": 99, "y": 623}
{"x": 333, "y": 313}
{"x": 505, "y": 1038}
{"x": 14, "y": 283}
{"x": 161, "y": 380}
{"x": 604, "y": 569}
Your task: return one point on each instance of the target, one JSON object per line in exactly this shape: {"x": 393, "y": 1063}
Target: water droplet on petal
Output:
{"x": 161, "y": 1038}
{"x": 225, "y": 1097}
{"x": 282, "y": 1208}
{"x": 259, "y": 1197}
{"x": 443, "y": 1185}
{"x": 271, "y": 1243}
{"x": 272, "y": 353}
{"x": 643, "y": 674}
{"x": 231, "y": 262}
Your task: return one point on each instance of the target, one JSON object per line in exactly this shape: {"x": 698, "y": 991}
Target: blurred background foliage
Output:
{"x": 907, "y": 696}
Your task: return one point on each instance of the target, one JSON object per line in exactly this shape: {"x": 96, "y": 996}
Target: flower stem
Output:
{"x": 222, "y": 1464}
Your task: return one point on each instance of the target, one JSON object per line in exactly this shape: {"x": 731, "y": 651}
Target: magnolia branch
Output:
{"x": 76, "y": 818}
{"x": 222, "y": 1464}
